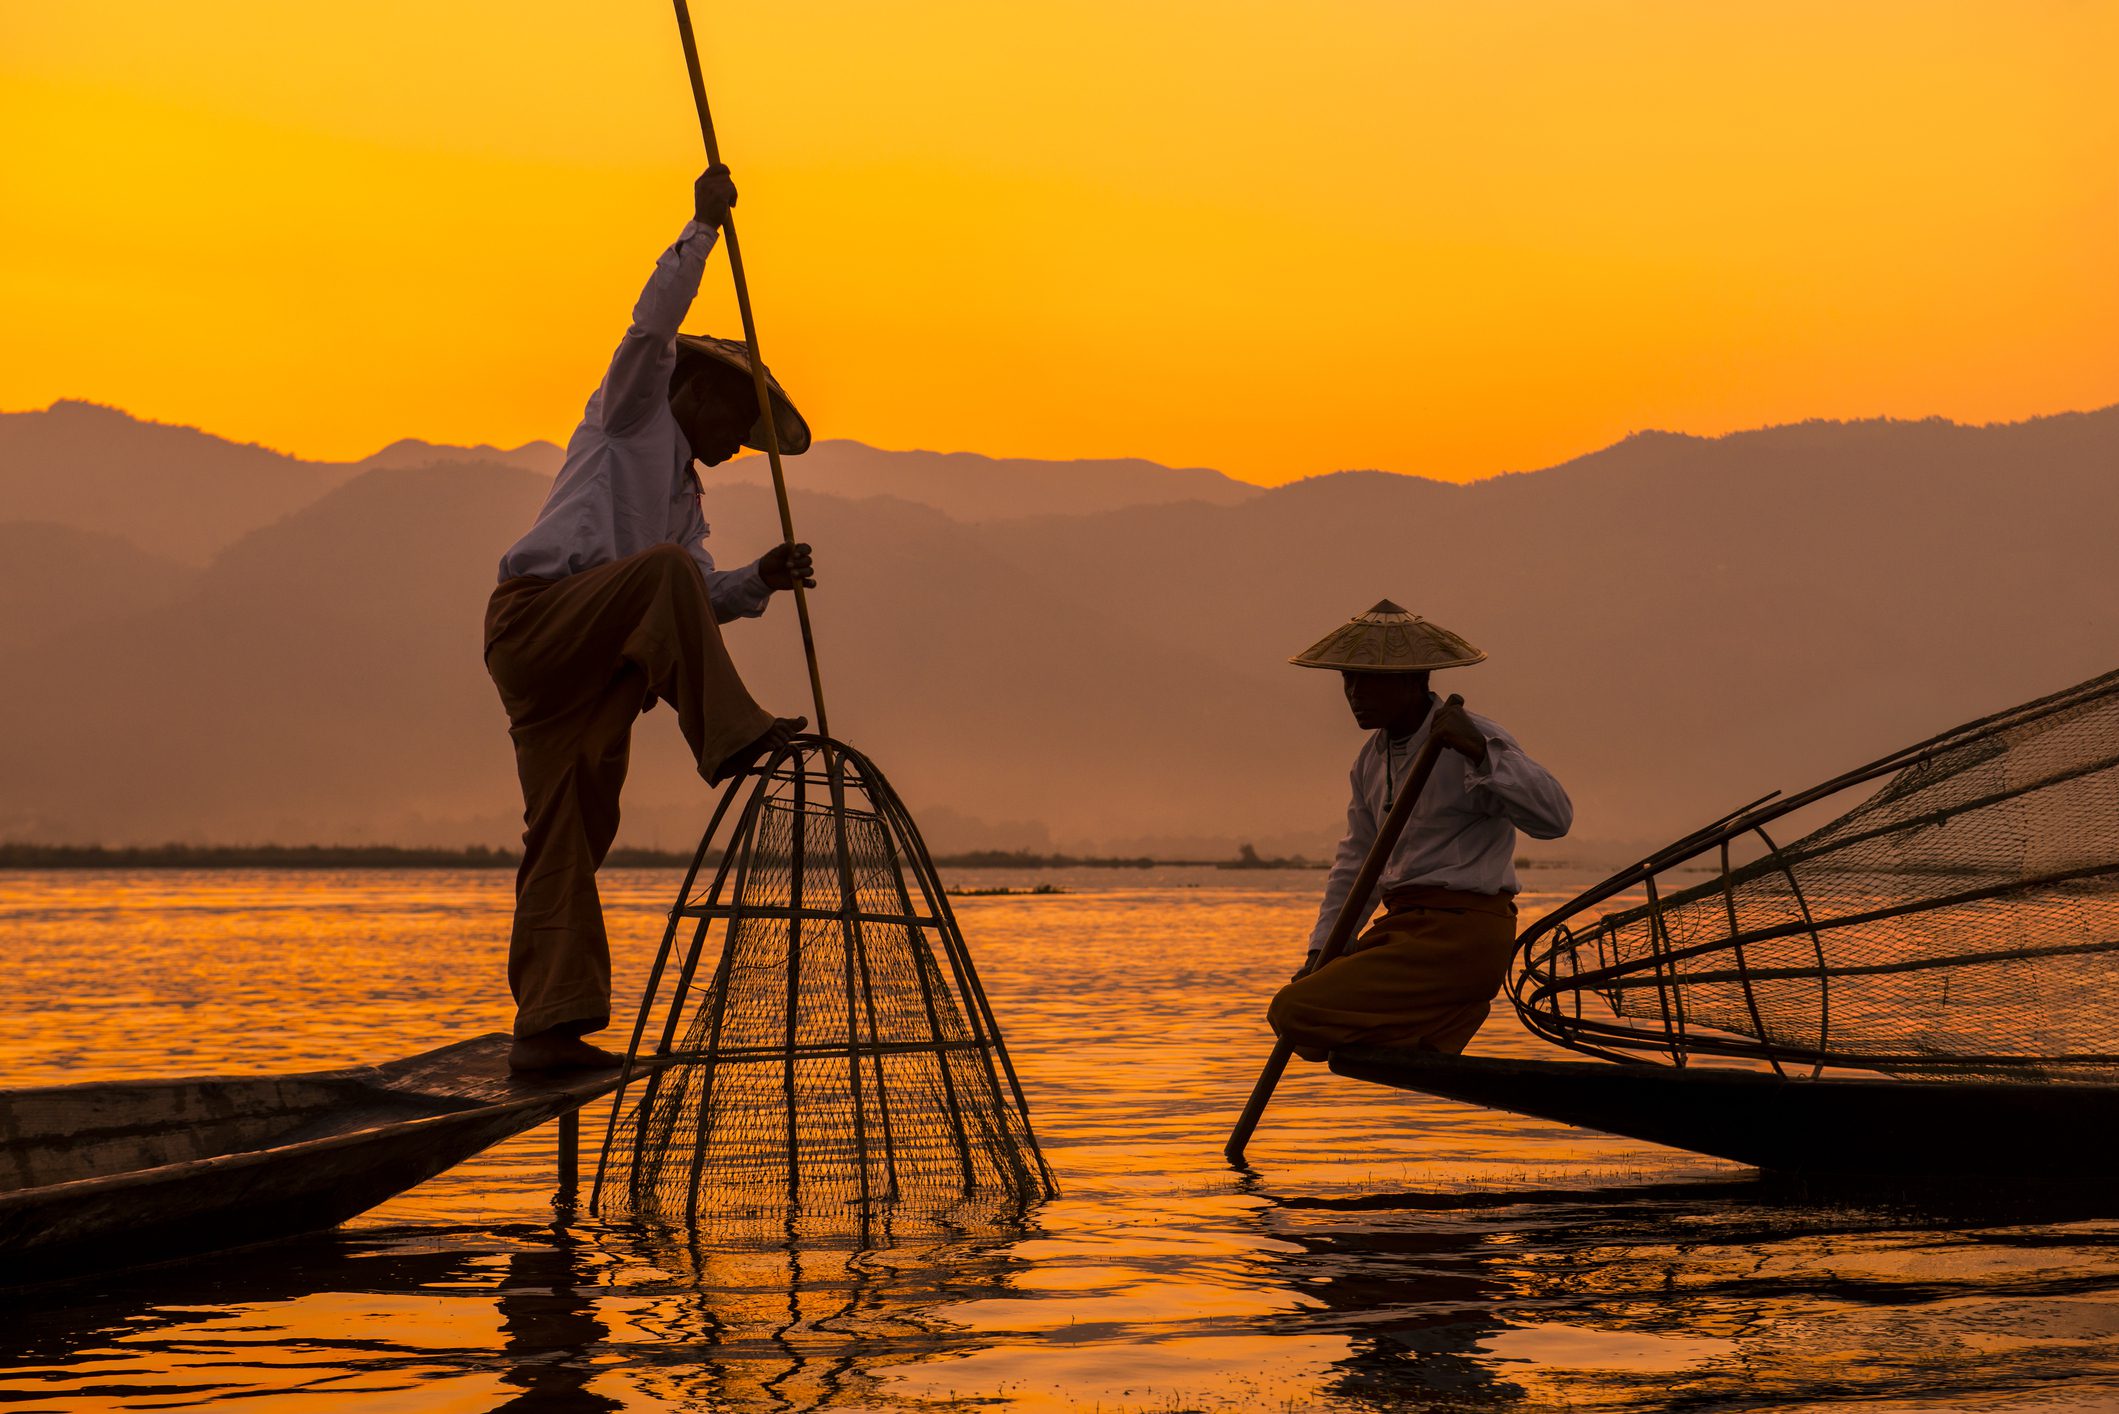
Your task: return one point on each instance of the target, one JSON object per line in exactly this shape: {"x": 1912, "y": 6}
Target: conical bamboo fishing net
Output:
{"x": 1961, "y": 921}
{"x": 841, "y": 1058}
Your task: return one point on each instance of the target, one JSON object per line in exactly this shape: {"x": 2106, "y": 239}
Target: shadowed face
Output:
{"x": 1393, "y": 702}
{"x": 715, "y": 408}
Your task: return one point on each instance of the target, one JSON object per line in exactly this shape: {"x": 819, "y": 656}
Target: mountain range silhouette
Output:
{"x": 211, "y": 642}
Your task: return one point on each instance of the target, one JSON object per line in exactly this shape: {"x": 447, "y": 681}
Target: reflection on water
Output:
{"x": 1387, "y": 1251}
{"x": 550, "y": 1328}
{"x": 1710, "y": 1297}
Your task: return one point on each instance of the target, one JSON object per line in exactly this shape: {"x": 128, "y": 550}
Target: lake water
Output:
{"x": 1386, "y": 1251}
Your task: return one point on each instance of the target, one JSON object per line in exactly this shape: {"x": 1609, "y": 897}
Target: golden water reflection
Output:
{"x": 1386, "y": 1251}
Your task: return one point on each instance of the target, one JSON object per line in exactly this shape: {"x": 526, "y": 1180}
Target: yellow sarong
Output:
{"x": 1420, "y": 978}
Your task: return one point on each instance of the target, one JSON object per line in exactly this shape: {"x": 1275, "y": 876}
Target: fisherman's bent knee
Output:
{"x": 1287, "y": 1011}
{"x": 1288, "y": 1015}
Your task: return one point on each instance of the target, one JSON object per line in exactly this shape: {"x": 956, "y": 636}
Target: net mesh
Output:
{"x": 842, "y": 1060}
{"x": 1962, "y": 920}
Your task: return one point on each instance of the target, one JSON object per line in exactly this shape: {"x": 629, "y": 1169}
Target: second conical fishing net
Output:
{"x": 840, "y": 1061}
{"x": 1962, "y": 920}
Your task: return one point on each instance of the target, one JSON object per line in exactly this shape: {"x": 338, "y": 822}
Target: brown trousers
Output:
{"x": 1419, "y": 979}
{"x": 576, "y": 660}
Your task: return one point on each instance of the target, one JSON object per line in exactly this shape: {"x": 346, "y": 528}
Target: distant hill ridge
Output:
{"x": 540, "y": 457}
{"x": 77, "y": 464}
{"x": 175, "y": 491}
{"x": 969, "y": 487}
{"x": 1675, "y": 624}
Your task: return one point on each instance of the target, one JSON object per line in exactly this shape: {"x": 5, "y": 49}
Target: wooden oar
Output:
{"x": 1351, "y": 915}
{"x": 757, "y": 363}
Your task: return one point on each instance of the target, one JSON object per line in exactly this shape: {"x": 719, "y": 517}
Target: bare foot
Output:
{"x": 783, "y": 730}
{"x": 549, "y": 1050}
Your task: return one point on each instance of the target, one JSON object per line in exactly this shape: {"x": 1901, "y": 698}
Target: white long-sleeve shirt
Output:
{"x": 1462, "y": 834}
{"x": 627, "y": 483}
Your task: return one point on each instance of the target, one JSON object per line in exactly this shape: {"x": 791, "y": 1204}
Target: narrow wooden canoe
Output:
{"x": 1917, "y": 1129}
{"x": 108, "y": 1174}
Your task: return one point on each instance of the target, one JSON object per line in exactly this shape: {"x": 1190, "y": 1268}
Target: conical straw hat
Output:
{"x": 735, "y": 357}
{"x": 1387, "y": 639}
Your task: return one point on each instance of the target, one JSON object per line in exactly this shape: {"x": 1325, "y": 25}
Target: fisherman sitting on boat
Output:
{"x": 1422, "y": 975}
{"x": 610, "y": 603}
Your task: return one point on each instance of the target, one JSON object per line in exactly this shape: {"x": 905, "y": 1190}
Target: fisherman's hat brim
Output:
{"x": 788, "y": 422}
{"x": 1387, "y": 639}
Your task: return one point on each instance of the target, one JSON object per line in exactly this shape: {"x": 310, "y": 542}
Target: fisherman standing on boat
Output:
{"x": 611, "y": 603}
{"x": 1422, "y": 975}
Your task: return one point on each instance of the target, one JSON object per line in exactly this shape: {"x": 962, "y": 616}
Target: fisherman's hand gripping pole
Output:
{"x": 1351, "y": 916}
{"x": 757, "y": 365}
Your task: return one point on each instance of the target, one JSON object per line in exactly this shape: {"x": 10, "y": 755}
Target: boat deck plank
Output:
{"x": 101, "y": 1174}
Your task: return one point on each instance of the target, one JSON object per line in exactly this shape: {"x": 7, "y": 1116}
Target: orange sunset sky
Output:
{"x": 1277, "y": 238}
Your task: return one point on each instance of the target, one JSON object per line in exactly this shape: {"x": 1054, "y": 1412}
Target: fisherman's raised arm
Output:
{"x": 637, "y": 386}
{"x": 1500, "y": 778}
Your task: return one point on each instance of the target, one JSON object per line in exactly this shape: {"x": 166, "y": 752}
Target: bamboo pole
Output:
{"x": 757, "y": 362}
{"x": 857, "y": 956}
{"x": 798, "y": 854}
{"x": 1349, "y": 919}
{"x": 569, "y": 1154}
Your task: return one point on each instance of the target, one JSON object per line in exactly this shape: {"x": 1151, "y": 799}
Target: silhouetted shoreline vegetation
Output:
{"x": 383, "y": 856}
{"x": 181, "y": 856}
{"x": 1247, "y": 857}
{"x": 309, "y": 856}
{"x": 1024, "y": 859}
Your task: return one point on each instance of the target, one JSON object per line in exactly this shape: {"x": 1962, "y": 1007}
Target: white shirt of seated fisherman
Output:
{"x": 627, "y": 484}
{"x": 1462, "y": 834}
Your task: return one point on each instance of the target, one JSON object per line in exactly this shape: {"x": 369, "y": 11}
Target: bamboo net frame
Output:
{"x": 842, "y": 1059}
{"x": 1963, "y": 920}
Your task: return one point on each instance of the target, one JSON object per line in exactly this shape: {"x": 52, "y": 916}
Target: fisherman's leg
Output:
{"x": 570, "y": 981}
{"x": 606, "y": 752}
{"x": 558, "y": 956}
{"x": 554, "y": 647}
{"x": 677, "y": 644}
{"x": 1421, "y": 980}
{"x": 559, "y": 967}
{"x": 1331, "y": 1008}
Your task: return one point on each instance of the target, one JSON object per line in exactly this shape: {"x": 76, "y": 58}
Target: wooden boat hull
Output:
{"x": 1984, "y": 1130}
{"x": 101, "y": 1175}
